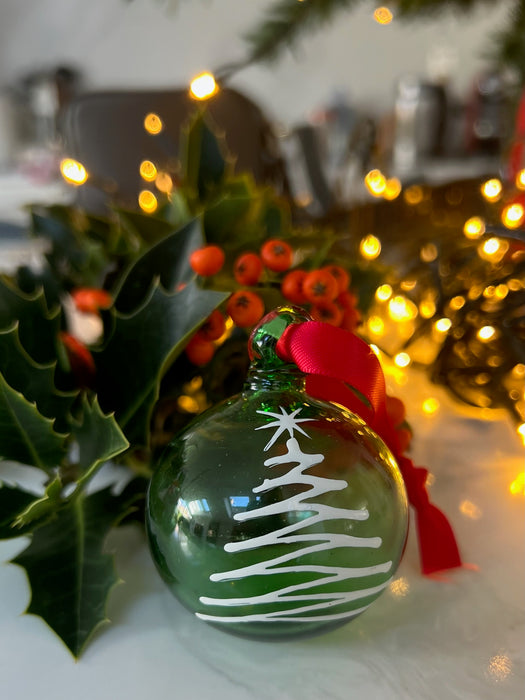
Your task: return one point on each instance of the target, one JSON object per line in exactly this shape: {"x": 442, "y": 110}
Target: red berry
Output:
{"x": 80, "y": 359}
{"x": 213, "y": 327}
{"x": 245, "y": 308}
{"x": 347, "y": 299}
{"x": 340, "y": 275}
{"x": 292, "y": 286}
{"x": 351, "y": 319}
{"x": 319, "y": 286}
{"x": 247, "y": 269}
{"x": 277, "y": 255}
{"x": 328, "y": 312}
{"x": 207, "y": 261}
{"x": 91, "y": 299}
{"x": 199, "y": 350}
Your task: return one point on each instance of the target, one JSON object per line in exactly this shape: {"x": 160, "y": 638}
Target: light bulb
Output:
{"x": 73, "y": 172}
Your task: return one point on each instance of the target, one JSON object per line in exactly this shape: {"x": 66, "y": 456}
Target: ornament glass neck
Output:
{"x": 285, "y": 377}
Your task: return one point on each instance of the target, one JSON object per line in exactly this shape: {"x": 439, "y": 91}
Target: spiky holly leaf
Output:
{"x": 98, "y": 437}
{"x": 34, "y": 381}
{"x": 166, "y": 261}
{"x": 28, "y": 437}
{"x": 141, "y": 347}
{"x": 37, "y": 327}
{"x": 13, "y": 500}
{"x": 69, "y": 573}
{"x": 40, "y": 508}
{"x": 204, "y": 163}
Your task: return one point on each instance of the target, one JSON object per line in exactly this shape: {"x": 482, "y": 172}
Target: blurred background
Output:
{"x": 347, "y": 69}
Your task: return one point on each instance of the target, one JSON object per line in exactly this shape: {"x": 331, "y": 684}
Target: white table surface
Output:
{"x": 426, "y": 639}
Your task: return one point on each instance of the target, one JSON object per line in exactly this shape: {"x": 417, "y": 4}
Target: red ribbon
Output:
{"x": 341, "y": 367}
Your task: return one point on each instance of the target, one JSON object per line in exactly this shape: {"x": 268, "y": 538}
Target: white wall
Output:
{"x": 141, "y": 43}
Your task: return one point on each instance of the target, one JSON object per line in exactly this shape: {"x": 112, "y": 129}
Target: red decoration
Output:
{"x": 336, "y": 360}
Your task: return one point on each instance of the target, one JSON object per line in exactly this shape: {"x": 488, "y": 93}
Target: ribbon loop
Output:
{"x": 342, "y": 368}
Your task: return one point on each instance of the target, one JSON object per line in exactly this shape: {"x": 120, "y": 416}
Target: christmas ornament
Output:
{"x": 275, "y": 514}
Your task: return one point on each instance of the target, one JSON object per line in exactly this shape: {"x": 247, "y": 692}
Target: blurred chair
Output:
{"x": 105, "y": 132}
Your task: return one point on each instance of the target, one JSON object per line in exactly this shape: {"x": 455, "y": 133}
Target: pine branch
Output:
{"x": 287, "y": 21}
{"x": 509, "y": 45}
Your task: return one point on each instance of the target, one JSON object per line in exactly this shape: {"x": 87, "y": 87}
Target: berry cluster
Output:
{"x": 325, "y": 291}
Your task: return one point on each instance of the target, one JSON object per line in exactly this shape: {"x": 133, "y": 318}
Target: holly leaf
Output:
{"x": 37, "y": 327}
{"x": 142, "y": 346}
{"x": 69, "y": 573}
{"x": 28, "y": 437}
{"x": 65, "y": 243}
{"x": 13, "y": 500}
{"x": 149, "y": 229}
{"x": 98, "y": 437}
{"x": 167, "y": 261}
{"x": 204, "y": 162}
{"x": 34, "y": 381}
{"x": 224, "y": 216}
{"x": 40, "y": 508}
{"x": 275, "y": 218}
{"x": 73, "y": 255}
{"x": 134, "y": 496}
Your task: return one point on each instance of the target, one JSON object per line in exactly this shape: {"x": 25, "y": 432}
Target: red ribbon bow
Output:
{"x": 340, "y": 366}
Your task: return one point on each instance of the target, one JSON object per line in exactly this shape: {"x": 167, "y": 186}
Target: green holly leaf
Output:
{"x": 74, "y": 255}
{"x": 64, "y": 239}
{"x": 176, "y": 210}
{"x": 134, "y": 496}
{"x": 28, "y": 437}
{"x": 167, "y": 261}
{"x": 144, "y": 227}
{"x": 142, "y": 346}
{"x": 69, "y": 573}
{"x": 98, "y": 437}
{"x": 30, "y": 280}
{"x": 37, "y": 327}
{"x": 225, "y": 216}
{"x": 204, "y": 163}
{"x": 36, "y": 382}
{"x": 13, "y": 501}
{"x": 275, "y": 218}
{"x": 40, "y": 508}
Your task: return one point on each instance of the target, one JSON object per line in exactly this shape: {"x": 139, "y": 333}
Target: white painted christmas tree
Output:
{"x": 306, "y": 605}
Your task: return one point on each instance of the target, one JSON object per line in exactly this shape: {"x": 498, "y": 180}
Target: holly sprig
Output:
{"x": 70, "y": 409}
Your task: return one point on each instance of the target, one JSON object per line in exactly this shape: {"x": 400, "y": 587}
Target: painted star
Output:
{"x": 285, "y": 421}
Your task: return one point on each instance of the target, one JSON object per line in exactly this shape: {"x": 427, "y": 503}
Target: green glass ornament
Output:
{"x": 274, "y": 515}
